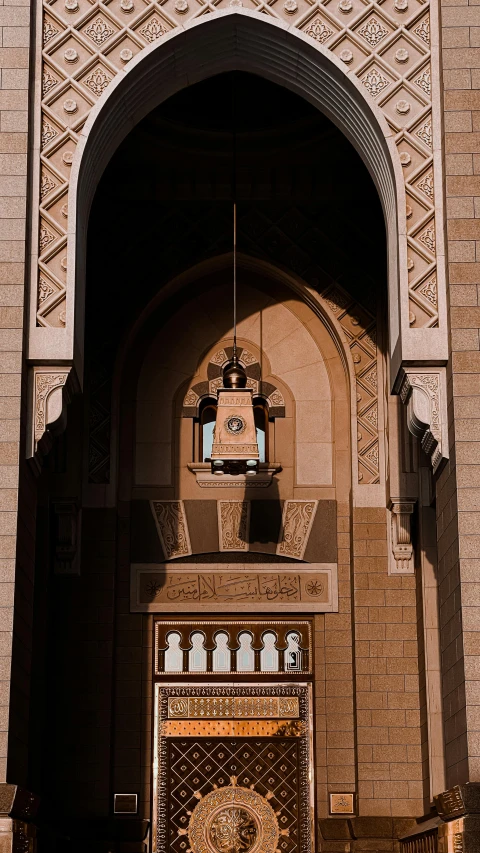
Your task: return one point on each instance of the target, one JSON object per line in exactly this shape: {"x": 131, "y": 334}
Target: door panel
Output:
{"x": 232, "y": 775}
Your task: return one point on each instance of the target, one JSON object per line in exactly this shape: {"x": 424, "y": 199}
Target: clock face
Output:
{"x": 235, "y": 425}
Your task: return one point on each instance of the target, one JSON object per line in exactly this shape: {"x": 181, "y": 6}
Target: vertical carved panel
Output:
{"x": 233, "y": 525}
{"x": 360, "y": 330}
{"x": 171, "y": 524}
{"x": 297, "y": 522}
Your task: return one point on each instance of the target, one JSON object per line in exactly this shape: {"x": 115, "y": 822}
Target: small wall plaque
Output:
{"x": 125, "y": 803}
{"x": 342, "y": 803}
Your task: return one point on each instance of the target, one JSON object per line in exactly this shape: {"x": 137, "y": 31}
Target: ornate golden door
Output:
{"x": 233, "y": 761}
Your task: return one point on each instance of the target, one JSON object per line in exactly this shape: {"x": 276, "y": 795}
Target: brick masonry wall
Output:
{"x": 334, "y": 682}
{"x": 458, "y": 492}
{"x": 390, "y": 751}
{"x": 14, "y": 61}
{"x": 132, "y": 756}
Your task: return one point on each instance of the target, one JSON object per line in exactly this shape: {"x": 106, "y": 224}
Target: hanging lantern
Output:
{"x": 235, "y": 447}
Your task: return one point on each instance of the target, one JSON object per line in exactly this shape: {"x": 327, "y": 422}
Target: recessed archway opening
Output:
{"x": 306, "y": 204}
{"x": 307, "y": 207}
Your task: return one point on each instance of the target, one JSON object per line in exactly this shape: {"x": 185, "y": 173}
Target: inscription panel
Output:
{"x": 168, "y": 587}
{"x": 233, "y": 707}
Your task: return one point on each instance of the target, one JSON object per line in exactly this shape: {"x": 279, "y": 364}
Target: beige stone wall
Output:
{"x": 389, "y": 735}
{"x": 458, "y": 503}
{"x": 14, "y": 81}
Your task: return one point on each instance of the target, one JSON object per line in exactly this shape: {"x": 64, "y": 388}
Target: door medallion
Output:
{"x": 234, "y": 820}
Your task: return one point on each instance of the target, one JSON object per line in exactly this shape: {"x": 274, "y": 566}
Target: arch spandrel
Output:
{"x": 301, "y": 56}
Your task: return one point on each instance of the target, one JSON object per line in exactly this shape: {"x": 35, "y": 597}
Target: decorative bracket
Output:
{"x": 51, "y": 391}
{"x": 424, "y": 393}
{"x": 401, "y": 536}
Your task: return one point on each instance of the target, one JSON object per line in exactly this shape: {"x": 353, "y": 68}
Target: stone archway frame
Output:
{"x": 238, "y": 39}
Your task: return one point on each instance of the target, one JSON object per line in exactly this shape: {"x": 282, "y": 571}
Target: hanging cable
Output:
{"x": 234, "y": 190}
{"x": 234, "y": 279}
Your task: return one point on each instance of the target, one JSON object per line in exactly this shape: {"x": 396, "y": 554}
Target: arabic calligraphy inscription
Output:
{"x": 233, "y": 707}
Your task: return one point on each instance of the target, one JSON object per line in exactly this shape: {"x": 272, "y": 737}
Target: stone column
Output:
{"x": 458, "y": 490}
{"x": 14, "y": 60}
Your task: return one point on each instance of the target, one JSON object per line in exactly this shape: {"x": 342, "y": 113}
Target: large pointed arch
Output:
{"x": 235, "y": 39}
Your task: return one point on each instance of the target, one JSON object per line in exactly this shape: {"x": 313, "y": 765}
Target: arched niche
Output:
{"x": 146, "y": 361}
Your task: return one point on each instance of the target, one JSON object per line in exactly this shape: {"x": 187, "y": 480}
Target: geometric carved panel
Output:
{"x": 85, "y": 45}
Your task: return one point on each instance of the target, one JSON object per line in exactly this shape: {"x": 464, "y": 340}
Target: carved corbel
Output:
{"x": 402, "y": 558}
{"x": 52, "y": 390}
{"x": 424, "y": 393}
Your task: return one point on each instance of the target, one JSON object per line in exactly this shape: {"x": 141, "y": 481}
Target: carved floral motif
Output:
{"x": 297, "y": 521}
{"x": 46, "y": 185}
{"x": 190, "y": 399}
{"x": 49, "y": 31}
{"x": 44, "y": 290}
{"x": 423, "y": 81}
{"x": 374, "y": 82}
{"x": 172, "y": 528}
{"x": 48, "y": 133}
{"x": 219, "y": 358}
{"x": 372, "y": 456}
{"x": 422, "y": 30}
{"x": 425, "y": 184}
{"x": 429, "y": 290}
{"x": 48, "y": 81}
{"x": 371, "y": 378}
{"x": 318, "y": 30}
{"x": 424, "y": 132}
{"x": 427, "y": 237}
{"x": 233, "y": 518}
{"x": 99, "y": 31}
{"x": 247, "y": 358}
{"x": 153, "y": 30}
{"x": 97, "y": 81}
{"x": 46, "y": 237}
{"x": 45, "y": 384}
{"x": 276, "y": 399}
{"x": 372, "y": 416}
{"x": 337, "y": 300}
{"x": 373, "y": 31}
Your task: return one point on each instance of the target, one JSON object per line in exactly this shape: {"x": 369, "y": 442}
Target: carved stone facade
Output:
{"x": 387, "y": 48}
{"x": 286, "y": 663}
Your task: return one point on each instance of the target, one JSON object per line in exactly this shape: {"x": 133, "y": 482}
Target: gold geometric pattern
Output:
{"x": 387, "y": 49}
{"x": 216, "y": 788}
{"x": 197, "y": 765}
